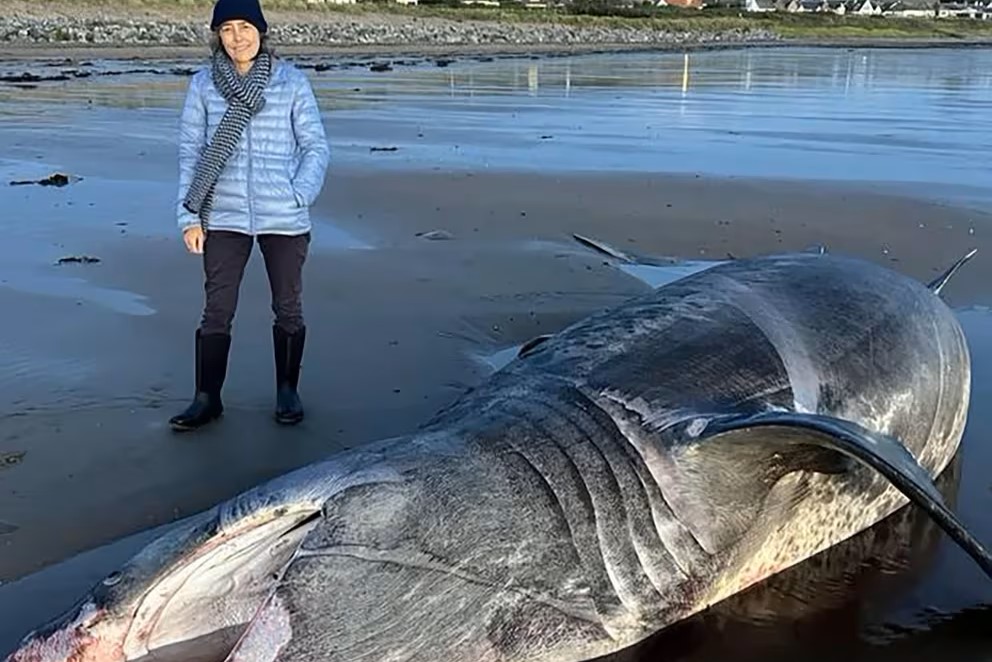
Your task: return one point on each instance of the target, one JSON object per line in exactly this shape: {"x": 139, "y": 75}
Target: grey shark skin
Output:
{"x": 619, "y": 476}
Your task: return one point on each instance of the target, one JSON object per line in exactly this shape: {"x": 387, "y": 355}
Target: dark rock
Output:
{"x": 78, "y": 259}
{"x": 55, "y": 179}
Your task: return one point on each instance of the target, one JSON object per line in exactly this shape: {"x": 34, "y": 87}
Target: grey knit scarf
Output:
{"x": 244, "y": 100}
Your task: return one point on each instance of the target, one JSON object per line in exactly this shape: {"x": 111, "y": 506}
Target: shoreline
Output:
{"x": 27, "y": 52}
{"x": 158, "y": 52}
{"x": 56, "y": 29}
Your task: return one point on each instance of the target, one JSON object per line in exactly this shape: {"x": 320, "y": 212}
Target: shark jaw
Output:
{"x": 194, "y": 607}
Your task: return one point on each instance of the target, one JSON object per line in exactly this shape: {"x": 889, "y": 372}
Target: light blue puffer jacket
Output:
{"x": 278, "y": 169}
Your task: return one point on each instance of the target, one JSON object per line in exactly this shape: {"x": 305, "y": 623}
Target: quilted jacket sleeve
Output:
{"x": 192, "y": 140}
{"x": 309, "y": 130}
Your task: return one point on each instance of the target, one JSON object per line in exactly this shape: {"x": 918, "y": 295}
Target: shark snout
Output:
{"x": 83, "y": 634}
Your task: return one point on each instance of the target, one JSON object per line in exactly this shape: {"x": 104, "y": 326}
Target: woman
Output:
{"x": 252, "y": 159}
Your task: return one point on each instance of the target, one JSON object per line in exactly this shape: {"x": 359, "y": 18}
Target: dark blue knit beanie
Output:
{"x": 245, "y": 10}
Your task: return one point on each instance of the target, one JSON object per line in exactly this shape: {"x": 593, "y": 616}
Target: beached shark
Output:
{"x": 616, "y": 478}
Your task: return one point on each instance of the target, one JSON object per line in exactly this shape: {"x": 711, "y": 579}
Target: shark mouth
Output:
{"x": 194, "y": 608}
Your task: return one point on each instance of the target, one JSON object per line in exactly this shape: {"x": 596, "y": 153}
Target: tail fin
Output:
{"x": 938, "y": 283}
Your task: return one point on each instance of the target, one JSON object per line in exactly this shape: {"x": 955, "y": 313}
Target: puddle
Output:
{"x": 653, "y": 270}
{"x": 656, "y": 276}
{"x": 499, "y": 359}
{"x": 327, "y": 236}
{"x": 23, "y": 369}
{"x": 120, "y": 301}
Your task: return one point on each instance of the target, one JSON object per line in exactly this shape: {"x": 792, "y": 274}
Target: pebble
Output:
{"x": 358, "y": 30}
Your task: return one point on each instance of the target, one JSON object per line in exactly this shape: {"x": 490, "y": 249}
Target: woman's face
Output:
{"x": 241, "y": 41}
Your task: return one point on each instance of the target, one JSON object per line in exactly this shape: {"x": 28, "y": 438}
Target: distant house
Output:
{"x": 760, "y": 5}
{"x": 820, "y": 6}
{"x": 964, "y": 10}
{"x": 975, "y": 9}
{"x": 803, "y": 6}
{"x": 911, "y": 8}
{"x": 691, "y": 4}
{"x": 867, "y": 8}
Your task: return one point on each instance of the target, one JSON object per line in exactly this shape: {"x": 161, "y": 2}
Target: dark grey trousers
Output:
{"x": 225, "y": 255}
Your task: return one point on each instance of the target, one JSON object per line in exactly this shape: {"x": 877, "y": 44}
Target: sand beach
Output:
{"x": 423, "y": 275}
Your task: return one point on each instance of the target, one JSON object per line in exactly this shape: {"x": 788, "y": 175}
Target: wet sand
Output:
{"x": 395, "y": 323}
{"x": 400, "y": 325}
{"x": 96, "y": 357}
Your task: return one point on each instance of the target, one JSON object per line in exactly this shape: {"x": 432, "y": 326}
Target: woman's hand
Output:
{"x": 194, "y": 239}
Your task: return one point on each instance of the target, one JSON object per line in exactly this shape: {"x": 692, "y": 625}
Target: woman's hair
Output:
{"x": 217, "y": 46}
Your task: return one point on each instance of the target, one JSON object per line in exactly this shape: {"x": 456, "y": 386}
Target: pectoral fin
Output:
{"x": 768, "y": 445}
{"x": 526, "y": 348}
{"x": 606, "y": 249}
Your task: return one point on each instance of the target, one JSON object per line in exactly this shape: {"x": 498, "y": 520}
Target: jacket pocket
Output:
{"x": 279, "y": 190}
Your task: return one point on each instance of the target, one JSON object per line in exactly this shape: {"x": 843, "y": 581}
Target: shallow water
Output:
{"x": 894, "y": 116}
{"x": 915, "y": 121}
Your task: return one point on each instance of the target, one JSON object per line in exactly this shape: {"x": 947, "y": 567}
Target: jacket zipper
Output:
{"x": 248, "y": 185}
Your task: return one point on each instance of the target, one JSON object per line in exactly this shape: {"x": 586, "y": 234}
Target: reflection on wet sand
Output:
{"x": 837, "y": 71}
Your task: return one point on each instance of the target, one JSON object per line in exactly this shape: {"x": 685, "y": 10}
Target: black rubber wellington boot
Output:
{"x": 211, "y": 369}
{"x": 288, "y": 350}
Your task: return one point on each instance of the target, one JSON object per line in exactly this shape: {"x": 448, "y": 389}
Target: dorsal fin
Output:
{"x": 938, "y": 283}
{"x": 725, "y": 467}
